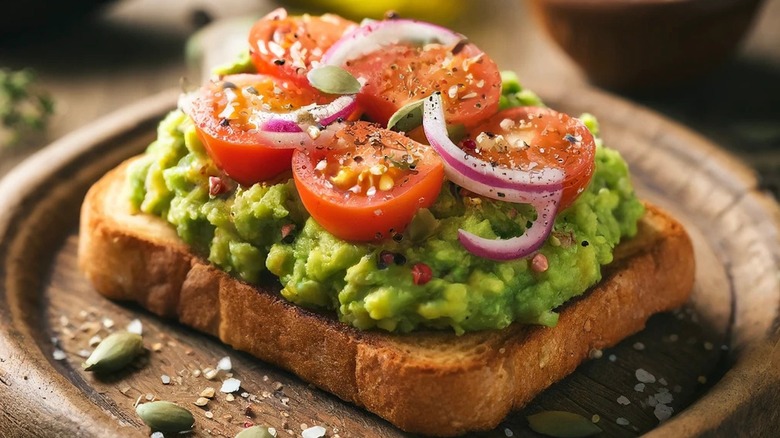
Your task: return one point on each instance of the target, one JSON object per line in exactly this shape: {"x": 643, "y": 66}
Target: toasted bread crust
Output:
{"x": 416, "y": 381}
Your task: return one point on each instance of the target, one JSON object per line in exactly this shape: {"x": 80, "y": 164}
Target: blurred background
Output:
{"x": 713, "y": 65}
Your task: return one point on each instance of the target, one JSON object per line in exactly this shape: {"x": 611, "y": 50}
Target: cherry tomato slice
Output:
{"x": 286, "y": 46}
{"x": 527, "y": 137}
{"x": 368, "y": 185}
{"x": 468, "y": 79}
{"x": 221, "y": 115}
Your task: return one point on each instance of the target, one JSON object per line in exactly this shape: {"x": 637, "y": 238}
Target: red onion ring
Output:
{"x": 306, "y": 127}
{"x": 541, "y": 188}
{"x": 373, "y": 35}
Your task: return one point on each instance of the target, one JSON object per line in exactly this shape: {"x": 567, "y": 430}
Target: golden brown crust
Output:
{"x": 415, "y": 381}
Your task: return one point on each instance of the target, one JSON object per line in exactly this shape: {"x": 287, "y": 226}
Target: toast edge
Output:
{"x": 373, "y": 369}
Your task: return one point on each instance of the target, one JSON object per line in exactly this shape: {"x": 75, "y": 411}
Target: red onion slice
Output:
{"x": 306, "y": 127}
{"x": 522, "y": 246}
{"x": 541, "y": 188}
{"x": 310, "y": 115}
{"x": 373, "y": 35}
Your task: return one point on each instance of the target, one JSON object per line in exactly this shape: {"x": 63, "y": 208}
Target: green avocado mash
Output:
{"x": 241, "y": 231}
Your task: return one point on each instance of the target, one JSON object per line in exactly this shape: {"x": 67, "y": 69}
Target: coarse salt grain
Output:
{"x": 623, "y": 400}
{"x": 230, "y": 385}
{"x": 663, "y": 381}
{"x": 664, "y": 398}
{"x": 313, "y": 432}
{"x": 639, "y": 387}
{"x": 136, "y": 327}
{"x": 639, "y": 346}
{"x": 158, "y": 435}
{"x": 166, "y": 379}
{"x": 612, "y": 358}
{"x": 622, "y": 421}
{"x": 225, "y": 364}
{"x": 644, "y": 376}
{"x": 108, "y": 323}
{"x": 93, "y": 341}
{"x": 508, "y": 432}
{"x": 663, "y": 412}
{"x": 58, "y": 354}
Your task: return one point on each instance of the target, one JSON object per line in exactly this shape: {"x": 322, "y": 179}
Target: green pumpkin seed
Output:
{"x": 114, "y": 352}
{"x": 561, "y": 424}
{"x": 332, "y": 79}
{"x": 407, "y": 117}
{"x": 165, "y": 416}
{"x": 255, "y": 432}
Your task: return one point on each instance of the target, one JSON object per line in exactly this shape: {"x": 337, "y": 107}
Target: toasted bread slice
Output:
{"x": 415, "y": 381}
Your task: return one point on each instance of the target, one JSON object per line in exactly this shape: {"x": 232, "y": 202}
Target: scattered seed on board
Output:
{"x": 201, "y": 401}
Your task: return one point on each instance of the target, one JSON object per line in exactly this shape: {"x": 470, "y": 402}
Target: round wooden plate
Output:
{"x": 716, "y": 363}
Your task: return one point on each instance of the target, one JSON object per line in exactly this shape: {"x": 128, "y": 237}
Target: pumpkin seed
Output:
{"x": 561, "y": 424}
{"x": 165, "y": 416}
{"x": 407, "y": 117}
{"x": 332, "y": 79}
{"x": 114, "y": 352}
{"x": 255, "y": 432}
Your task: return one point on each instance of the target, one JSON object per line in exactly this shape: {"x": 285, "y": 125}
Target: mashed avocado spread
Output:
{"x": 247, "y": 231}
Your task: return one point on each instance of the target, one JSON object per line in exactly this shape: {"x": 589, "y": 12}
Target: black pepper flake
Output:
{"x": 224, "y": 123}
{"x": 228, "y": 85}
{"x": 279, "y": 61}
{"x": 585, "y": 243}
{"x": 392, "y": 15}
{"x": 252, "y": 90}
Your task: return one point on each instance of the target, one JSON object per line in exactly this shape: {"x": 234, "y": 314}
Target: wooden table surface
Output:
{"x": 136, "y": 48}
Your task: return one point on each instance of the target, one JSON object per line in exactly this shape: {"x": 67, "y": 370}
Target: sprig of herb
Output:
{"x": 24, "y": 109}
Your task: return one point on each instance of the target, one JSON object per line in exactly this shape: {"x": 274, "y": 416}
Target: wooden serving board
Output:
{"x": 717, "y": 360}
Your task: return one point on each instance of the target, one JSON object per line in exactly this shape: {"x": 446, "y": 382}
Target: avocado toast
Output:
{"x": 421, "y": 317}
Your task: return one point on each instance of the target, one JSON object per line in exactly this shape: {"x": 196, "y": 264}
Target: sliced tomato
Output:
{"x": 286, "y": 46}
{"x": 468, "y": 79}
{"x": 532, "y": 137}
{"x": 369, "y": 183}
{"x": 222, "y": 118}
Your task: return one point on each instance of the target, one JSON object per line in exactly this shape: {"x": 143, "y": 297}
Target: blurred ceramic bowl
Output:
{"x": 646, "y": 43}
{"x": 35, "y": 15}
